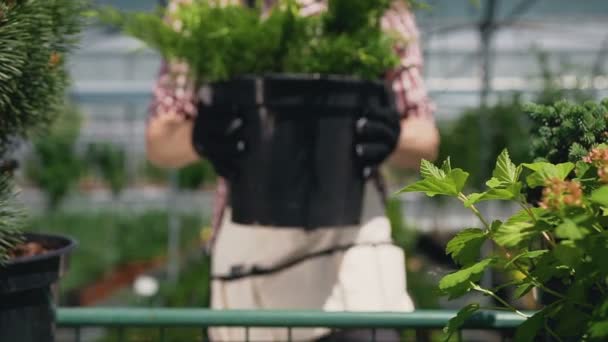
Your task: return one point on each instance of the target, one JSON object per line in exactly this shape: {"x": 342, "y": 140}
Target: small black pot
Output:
{"x": 26, "y": 296}
{"x": 300, "y": 169}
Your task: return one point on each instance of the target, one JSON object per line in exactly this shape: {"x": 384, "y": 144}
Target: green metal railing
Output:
{"x": 162, "y": 319}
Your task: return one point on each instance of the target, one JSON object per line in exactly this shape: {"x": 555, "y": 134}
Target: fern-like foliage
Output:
{"x": 222, "y": 42}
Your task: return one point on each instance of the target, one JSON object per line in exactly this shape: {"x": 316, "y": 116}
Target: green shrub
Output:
{"x": 154, "y": 174}
{"x": 559, "y": 247}
{"x": 109, "y": 161}
{"x": 195, "y": 175}
{"x": 54, "y": 165}
{"x": 566, "y": 131}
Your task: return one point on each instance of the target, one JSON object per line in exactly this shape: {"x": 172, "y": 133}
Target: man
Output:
{"x": 354, "y": 268}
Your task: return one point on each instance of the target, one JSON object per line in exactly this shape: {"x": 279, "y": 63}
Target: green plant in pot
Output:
{"x": 297, "y": 83}
{"x": 35, "y": 36}
{"x": 557, "y": 245}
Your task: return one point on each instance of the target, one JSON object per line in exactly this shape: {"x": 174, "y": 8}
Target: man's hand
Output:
{"x": 168, "y": 140}
{"x": 377, "y": 133}
{"x": 218, "y": 136}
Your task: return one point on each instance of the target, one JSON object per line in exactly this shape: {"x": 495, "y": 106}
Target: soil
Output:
{"x": 28, "y": 249}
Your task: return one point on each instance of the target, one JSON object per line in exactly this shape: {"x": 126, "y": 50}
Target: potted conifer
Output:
{"x": 301, "y": 84}
{"x": 35, "y": 36}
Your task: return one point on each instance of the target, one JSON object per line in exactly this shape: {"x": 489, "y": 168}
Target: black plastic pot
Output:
{"x": 299, "y": 170}
{"x": 26, "y": 296}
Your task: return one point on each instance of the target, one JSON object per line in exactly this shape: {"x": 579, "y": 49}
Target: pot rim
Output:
{"x": 69, "y": 245}
{"x": 349, "y": 79}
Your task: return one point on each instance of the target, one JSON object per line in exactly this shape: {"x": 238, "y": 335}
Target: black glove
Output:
{"x": 218, "y": 136}
{"x": 376, "y": 136}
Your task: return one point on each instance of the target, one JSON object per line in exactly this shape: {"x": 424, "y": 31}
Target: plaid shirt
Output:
{"x": 175, "y": 92}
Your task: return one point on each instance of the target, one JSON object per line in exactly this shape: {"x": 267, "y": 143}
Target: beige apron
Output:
{"x": 333, "y": 269}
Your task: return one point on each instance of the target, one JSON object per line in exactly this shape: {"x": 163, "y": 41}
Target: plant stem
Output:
{"x": 598, "y": 228}
{"x": 548, "y": 239}
{"x": 475, "y": 211}
{"x": 533, "y": 217}
{"x": 551, "y": 332}
{"x": 528, "y": 210}
{"x": 495, "y": 308}
{"x": 541, "y": 286}
{"x": 500, "y": 300}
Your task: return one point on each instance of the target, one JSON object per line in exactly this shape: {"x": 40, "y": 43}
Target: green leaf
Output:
{"x": 569, "y": 230}
{"x": 599, "y": 329}
{"x": 581, "y": 168}
{"x": 459, "y": 178}
{"x": 451, "y": 185}
{"x": 572, "y": 321}
{"x": 509, "y": 193}
{"x": 431, "y": 187}
{"x": 456, "y": 322}
{"x": 460, "y": 282}
{"x": 515, "y": 230}
{"x": 466, "y": 245}
{"x": 523, "y": 289}
{"x": 528, "y": 330}
{"x": 495, "y": 225}
{"x": 569, "y": 255}
{"x": 428, "y": 170}
{"x": 600, "y": 196}
{"x": 544, "y": 171}
{"x": 547, "y": 267}
{"x": 505, "y": 171}
{"x": 446, "y": 166}
{"x": 527, "y": 255}
{"x": 494, "y": 183}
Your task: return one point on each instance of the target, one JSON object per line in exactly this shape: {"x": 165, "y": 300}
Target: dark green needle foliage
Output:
{"x": 35, "y": 36}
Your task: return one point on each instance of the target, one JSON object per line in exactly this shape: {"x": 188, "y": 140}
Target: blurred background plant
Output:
{"x": 54, "y": 166}
{"x": 109, "y": 162}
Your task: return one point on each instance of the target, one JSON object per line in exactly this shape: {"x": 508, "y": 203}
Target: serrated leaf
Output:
{"x": 528, "y": 330}
{"x": 544, "y": 171}
{"x": 494, "y": 183}
{"x": 581, "y": 169}
{"x": 506, "y": 194}
{"x": 447, "y": 165}
{"x": 429, "y": 170}
{"x": 466, "y": 245}
{"x": 451, "y": 185}
{"x": 456, "y": 322}
{"x": 459, "y": 178}
{"x": 505, "y": 171}
{"x": 459, "y": 283}
{"x": 569, "y": 230}
{"x": 600, "y": 196}
{"x": 514, "y": 230}
{"x": 431, "y": 187}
